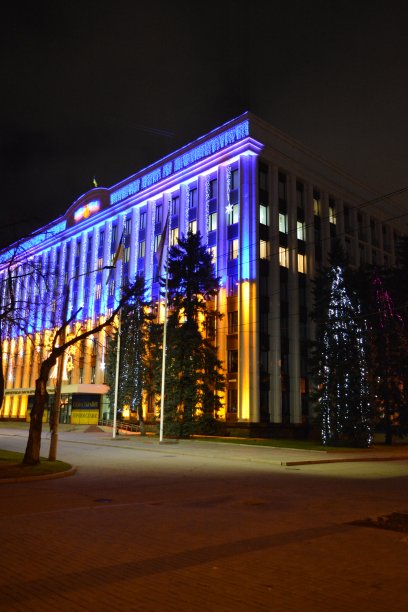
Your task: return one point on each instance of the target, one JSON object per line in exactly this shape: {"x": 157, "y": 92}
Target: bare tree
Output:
{"x": 14, "y": 307}
{"x": 61, "y": 341}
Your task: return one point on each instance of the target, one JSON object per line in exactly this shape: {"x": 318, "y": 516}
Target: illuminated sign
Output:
{"x": 211, "y": 146}
{"x": 87, "y": 210}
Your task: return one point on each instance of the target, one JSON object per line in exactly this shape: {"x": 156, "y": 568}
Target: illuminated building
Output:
{"x": 268, "y": 209}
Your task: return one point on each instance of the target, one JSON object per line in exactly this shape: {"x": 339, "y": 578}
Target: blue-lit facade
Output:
{"x": 266, "y": 208}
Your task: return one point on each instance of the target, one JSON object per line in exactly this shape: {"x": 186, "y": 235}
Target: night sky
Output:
{"x": 105, "y": 88}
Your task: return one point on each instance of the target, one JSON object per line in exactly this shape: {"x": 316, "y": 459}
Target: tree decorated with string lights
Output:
{"x": 131, "y": 369}
{"x": 342, "y": 381}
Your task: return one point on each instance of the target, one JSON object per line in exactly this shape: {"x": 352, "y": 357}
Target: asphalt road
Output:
{"x": 203, "y": 526}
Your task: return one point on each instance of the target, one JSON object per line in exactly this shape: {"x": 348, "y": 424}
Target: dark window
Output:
{"x": 233, "y": 322}
{"x": 159, "y": 213}
{"x": 142, "y": 223}
{"x": 234, "y": 179}
{"x": 213, "y": 188}
{"x": 300, "y": 199}
{"x": 232, "y": 400}
{"x": 175, "y": 201}
{"x": 193, "y": 198}
{"x": 282, "y": 191}
{"x": 233, "y": 361}
{"x": 263, "y": 177}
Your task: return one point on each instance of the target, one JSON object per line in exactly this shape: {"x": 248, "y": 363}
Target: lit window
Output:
{"x": 100, "y": 263}
{"x": 156, "y": 242}
{"x": 111, "y": 287}
{"x": 98, "y": 290}
{"x": 283, "y": 223}
{"x": 264, "y": 249}
{"x": 332, "y": 213}
{"x": 174, "y": 234}
{"x": 233, "y": 248}
{"x": 301, "y": 230}
{"x": 192, "y": 227}
{"x": 212, "y": 222}
{"x": 283, "y": 257}
{"x": 126, "y": 255}
{"x": 232, "y": 211}
{"x": 264, "y": 214}
{"x": 142, "y": 249}
{"x": 213, "y": 253}
{"x": 301, "y": 263}
{"x": 126, "y": 227}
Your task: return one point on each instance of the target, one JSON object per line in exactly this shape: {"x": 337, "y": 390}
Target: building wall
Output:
{"x": 266, "y": 207}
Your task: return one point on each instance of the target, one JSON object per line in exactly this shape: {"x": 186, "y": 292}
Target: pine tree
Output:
{"x": 194, "y": 374}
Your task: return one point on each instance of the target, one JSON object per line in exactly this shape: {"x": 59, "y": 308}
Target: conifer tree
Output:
{"x": 194, "y": 374}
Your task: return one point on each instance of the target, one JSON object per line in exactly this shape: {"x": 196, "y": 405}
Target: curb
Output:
{"x": 348, "y": 460}
{"x": 54, "y": 476}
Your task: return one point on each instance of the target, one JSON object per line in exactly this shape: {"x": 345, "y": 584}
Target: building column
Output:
{"x": 275, "y": 393}
{"x": 293, "y": 295}
{"x": 248, "y": 338}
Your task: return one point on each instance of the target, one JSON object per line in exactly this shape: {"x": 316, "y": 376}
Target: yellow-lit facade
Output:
{"x": 267, "y": 209}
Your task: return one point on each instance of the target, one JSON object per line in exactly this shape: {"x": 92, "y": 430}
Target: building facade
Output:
{"x": 267, "y": 208}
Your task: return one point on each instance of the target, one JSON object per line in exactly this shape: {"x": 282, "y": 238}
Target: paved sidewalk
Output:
{"x": 203, "y": 526}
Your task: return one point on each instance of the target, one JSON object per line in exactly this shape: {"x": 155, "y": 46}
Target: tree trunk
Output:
{"x": 32, "y": 452}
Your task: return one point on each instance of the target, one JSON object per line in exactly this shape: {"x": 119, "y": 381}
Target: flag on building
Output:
{"x": 161, "y": 245}
{"x": 119, "y": 254}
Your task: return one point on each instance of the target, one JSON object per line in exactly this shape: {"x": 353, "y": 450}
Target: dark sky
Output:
{"x": 105, "y": 88}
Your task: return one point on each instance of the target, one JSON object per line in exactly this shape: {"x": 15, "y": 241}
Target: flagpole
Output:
{"x": 118, "y": 255}
{"x": 164, "y": 338}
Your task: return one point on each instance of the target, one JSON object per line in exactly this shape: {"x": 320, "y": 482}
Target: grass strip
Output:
{"x": 11, "y": 466}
